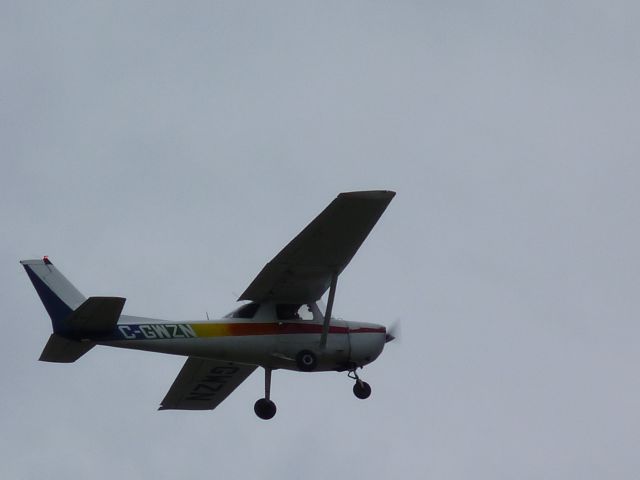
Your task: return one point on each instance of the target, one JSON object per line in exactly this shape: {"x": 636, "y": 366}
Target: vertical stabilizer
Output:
{"x": 59, "y": 297}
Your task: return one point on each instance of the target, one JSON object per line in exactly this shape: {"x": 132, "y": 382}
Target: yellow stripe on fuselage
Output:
{"x": 211, "y": 329}
{"x": 245, "y": 329}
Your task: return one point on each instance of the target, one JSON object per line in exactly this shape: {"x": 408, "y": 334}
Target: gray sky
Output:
{"x": 166, "y": 152}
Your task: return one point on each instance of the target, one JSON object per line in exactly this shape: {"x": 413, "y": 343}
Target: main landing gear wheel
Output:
{"x": 306, "y": 360}
{"x": 361, "y": 389}
{"x": 265, "y": 409}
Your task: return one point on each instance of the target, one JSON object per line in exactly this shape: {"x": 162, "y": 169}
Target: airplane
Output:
{"x": 281, "y": 326}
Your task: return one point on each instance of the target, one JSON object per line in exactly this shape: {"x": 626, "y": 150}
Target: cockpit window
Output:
{"x": 245, "y": 311}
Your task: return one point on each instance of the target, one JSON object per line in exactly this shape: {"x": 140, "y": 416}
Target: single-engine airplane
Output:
{"x": 281, "y": 326}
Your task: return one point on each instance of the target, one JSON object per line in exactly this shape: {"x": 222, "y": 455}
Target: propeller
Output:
{"x": 394, "y": 332}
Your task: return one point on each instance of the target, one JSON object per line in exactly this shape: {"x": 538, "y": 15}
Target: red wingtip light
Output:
{"x": 46, "y": 260}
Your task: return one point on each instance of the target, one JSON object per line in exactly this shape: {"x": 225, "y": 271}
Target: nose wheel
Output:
{"x": 264, "y": 407}
{"x": 361, "y": 389}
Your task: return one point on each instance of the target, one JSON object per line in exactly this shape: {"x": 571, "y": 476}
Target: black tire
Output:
{"x": 265, "y": 409}
{"x": 361, "y": 389}
{"x": 306, "y": 361}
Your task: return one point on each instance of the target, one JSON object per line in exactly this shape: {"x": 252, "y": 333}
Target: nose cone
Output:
{"x": 367, "y": 341}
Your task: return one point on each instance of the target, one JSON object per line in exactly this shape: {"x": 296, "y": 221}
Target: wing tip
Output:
{"x": 370, "y": 194}
{"x": 31, "y": 262}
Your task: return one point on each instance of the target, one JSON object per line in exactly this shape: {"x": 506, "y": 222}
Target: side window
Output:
{"x": 305, "y": 312}
{"x": 293, "y": 311}
{"x": 287, "y": 311}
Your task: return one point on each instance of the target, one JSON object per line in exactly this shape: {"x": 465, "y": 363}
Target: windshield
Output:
{"x": 245, "y": 311}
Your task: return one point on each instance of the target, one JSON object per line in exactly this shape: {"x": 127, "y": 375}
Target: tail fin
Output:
{"x": 59, "y": 296}
{"x": 75, "y": 319}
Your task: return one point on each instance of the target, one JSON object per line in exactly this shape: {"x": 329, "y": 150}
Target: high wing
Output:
{"x": 303, "y": 270}
{"x": 204, "y": 384}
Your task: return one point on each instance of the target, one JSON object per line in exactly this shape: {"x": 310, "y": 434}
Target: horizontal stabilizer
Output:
{"x": 96, "y": 315}
{"x": 63, "y": 350}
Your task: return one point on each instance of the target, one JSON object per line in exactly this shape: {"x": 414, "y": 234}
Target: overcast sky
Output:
{"x": 165, "y": 152}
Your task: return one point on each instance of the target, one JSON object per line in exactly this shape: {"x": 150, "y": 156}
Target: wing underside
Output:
{"x": 302, "y": 271}
{"x": 204, "y": 384}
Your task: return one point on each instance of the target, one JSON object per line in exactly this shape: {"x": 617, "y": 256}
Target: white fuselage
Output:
{"x": 267, "y": 343}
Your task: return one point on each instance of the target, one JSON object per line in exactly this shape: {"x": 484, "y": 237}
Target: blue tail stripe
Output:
{"x": 56, "y": 308}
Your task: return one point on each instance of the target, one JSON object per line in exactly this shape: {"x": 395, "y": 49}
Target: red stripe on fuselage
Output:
{"x": 312, "y": 328}
{"x": 367, "y": 330}
{"x": 285, "y": 328}
{"x": 244, "y": 329}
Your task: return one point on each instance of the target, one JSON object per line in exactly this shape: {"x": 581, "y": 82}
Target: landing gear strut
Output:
{"x": 264, "y": 407}
{"x": 361, "y": 389}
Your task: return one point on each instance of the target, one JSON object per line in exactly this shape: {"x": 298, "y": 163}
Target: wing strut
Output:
{"x": 327, "y": 313}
